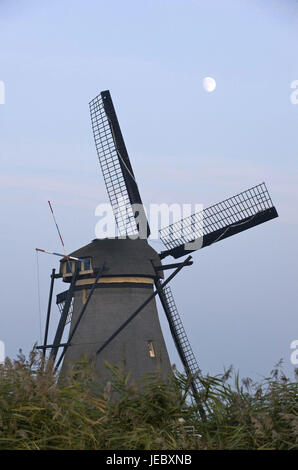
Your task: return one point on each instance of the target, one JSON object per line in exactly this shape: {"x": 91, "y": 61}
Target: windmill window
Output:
{"x": 86, "y": 265}
{"x": 68, "y": 267}
{"x": 151, "y": 349}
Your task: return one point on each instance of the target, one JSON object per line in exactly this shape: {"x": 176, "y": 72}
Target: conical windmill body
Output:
{"x": 124, "y": 286}
{"x": 111, "y": 295}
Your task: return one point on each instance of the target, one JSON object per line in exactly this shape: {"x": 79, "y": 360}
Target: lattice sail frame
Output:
{"x": 61, "y": 306}
{"x": 238, "y": 209}
{"x": 108, "y": 156}
{"x": 189, "y": 360}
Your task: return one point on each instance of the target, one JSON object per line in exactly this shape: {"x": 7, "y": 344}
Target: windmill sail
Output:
{"x": 234, "y": 215}
{"x": 116, "y": 168}
{"x": 60, "y": 301}
{"x": 180, "y": 338}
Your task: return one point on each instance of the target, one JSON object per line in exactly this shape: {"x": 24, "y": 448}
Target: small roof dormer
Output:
{"x": 67, "y": 267}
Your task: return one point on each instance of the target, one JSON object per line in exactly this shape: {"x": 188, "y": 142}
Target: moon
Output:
{"x": 209, "y": 84}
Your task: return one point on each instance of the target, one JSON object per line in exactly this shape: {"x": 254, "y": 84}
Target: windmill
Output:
{"x": 110, "y": 302}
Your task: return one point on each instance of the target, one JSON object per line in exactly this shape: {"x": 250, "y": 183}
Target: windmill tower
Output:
{"x": 111, "y": 297}
{"x": 125, "y": 284}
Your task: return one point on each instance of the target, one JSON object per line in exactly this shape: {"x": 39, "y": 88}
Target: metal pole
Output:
{"x": 80, "y": 317}
{"x": 49, "y": 311}
{"x": 163, "y": 267}
{"x": 64, "y": 313}
{"x": 105, "y": 344}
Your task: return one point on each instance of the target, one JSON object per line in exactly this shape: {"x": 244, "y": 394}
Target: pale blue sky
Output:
{"x": 239, "y": 300}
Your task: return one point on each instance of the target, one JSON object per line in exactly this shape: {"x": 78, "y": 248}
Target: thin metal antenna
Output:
{"x": 64, "y": 255}
{"x": 58, "y": 230}
{"x": 59, "y": 233}
{"x": 38, "y": 294}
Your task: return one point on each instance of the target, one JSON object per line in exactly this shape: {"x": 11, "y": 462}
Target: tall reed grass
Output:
{"x": 36, "y": 412}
